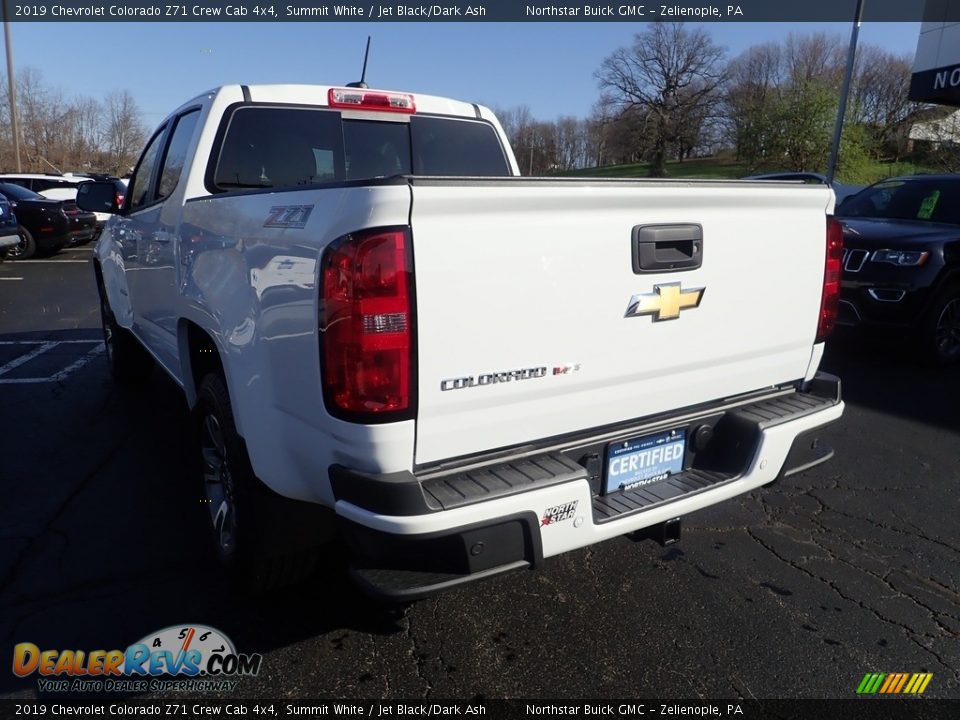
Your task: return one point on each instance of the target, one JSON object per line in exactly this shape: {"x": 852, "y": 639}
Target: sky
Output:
{"x": 548, "y": 67}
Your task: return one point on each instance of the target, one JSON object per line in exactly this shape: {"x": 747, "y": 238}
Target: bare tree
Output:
{"x": 518, "y": 124}
{"x": 669, "y": 70}
{"x": 570, "y": 143}
{"x": 39, "y": 109}
{"x": 752, "y": 87}
{"x": 817, "y": 57}
{"x": 61, "y": 133}
{"x": 879, "y": 98}
{"x": 601, "y": 117}
{"x": 125, "y": 132}
{"x": 87, "y": 132}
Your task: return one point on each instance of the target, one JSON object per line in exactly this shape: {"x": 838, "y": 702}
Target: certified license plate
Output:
{"x": 645, "y": 460}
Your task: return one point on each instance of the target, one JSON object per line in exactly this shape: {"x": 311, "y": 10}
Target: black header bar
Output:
{"x": 917, "y": 708}
{"x": 622, "y": 11}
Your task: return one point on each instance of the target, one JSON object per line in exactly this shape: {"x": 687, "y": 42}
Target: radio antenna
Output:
{"x": 363, "y": 75}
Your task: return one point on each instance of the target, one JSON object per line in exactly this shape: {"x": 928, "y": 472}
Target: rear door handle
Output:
{"x": 666, "y": 248}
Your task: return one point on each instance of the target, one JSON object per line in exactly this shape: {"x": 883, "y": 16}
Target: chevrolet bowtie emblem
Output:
{"x": 665, "y": 302}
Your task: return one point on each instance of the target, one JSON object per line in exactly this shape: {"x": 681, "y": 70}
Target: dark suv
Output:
{"x": 901, "y": 264}
{"x": 9, "y": 233}
{"x": 44, "y": 225}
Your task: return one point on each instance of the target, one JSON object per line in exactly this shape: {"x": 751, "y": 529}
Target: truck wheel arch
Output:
{"x": 199, "y": 355}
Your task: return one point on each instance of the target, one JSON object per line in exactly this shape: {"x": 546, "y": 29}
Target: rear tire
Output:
{"x": 129, "y": 363}
{"x": 26, "y": 248}
{"x": 942, "y": 332}
{"x": 247, "y": 520}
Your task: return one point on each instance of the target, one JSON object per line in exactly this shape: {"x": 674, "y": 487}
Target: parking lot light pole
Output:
{"x": 14, "y": 123}
{"x": 841, "y": 111}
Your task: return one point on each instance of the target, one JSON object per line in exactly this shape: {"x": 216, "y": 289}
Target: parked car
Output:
{"x": 841, "y": 190}
{"x": 51, "y": 185}
{"x": 901, "y": 264}
{"x": 9, "y": 235}
{"x": 44, "y": 226}
{"x": 63, "y": 187}
{"x": 83, "y": 224}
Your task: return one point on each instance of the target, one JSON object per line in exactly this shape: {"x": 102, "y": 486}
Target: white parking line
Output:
{"x": 43, "y": 347}
{"x": 43, "y": 342}
{"x": 18, "y": 361}
{"x": 56, "y": 262}
{"x": 10, "y": 278}
{"x": 76, "y": 365}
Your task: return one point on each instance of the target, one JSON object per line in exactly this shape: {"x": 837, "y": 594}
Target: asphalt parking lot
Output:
{"x": 795, "y": 591}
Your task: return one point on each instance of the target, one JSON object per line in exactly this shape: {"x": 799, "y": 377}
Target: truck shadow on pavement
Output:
{"x": 105, "y": 540}
{"x": 892, "y": 378}
{"x": 104, "y": 536}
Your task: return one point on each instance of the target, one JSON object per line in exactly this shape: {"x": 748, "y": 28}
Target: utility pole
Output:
{"x": 14, "y": 121}
{"x": 841, "y": 111}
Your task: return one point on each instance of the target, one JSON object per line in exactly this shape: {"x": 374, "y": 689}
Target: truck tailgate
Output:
{"x": 522, "y": 295}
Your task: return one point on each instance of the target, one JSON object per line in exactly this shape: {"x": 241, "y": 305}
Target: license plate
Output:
{"x": 645, "y": 460}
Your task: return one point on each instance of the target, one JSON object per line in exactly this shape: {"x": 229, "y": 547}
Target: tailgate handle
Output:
{"x": 666, "y": 248}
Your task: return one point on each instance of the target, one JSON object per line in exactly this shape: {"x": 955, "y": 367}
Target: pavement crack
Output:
{"x": 590, "y": 566}
{"x": 917, "y": 532}
{"x": 909, "y": 633}
{"x": 930, "y": 582}
{"x": 418, "y": 656}
{"x": 438, "y": 628}
{"x": 375, "y": 655}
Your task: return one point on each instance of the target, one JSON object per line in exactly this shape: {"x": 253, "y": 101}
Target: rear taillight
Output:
{"x": 365, "y": 324}
{"x": 832, "y": 273}
{"x": 119, "y": 199}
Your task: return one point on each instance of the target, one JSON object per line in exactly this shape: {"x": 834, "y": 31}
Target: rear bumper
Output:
{"x": 52, "y": 242}
{"x": 83, "y": 235}
{"x": 884, "y": 304}
{"x": 412, "y": 536}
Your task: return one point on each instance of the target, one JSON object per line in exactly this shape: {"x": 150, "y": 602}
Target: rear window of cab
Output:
{"x": 272, "y": 147}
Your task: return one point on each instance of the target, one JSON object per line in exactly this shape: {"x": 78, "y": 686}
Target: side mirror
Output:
{"x": 98, "y": 196}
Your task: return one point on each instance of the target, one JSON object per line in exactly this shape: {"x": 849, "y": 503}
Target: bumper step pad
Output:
{"x": 493, "y": 481}
{"x": 689, "y": 482}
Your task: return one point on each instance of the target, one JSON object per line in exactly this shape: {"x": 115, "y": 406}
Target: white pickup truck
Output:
{"x": 387, "y": 335}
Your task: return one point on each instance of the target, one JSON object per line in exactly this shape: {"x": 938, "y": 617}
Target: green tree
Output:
{"x": 803, "y": 117}
{"x": 858, "y": 148}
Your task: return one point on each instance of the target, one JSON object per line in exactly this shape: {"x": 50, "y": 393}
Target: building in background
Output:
{"x": 936, "y": 66}
{"x": 930, "y": 127}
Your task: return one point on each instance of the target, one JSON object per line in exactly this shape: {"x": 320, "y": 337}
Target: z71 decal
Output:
{"x": 289, "y": 216}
